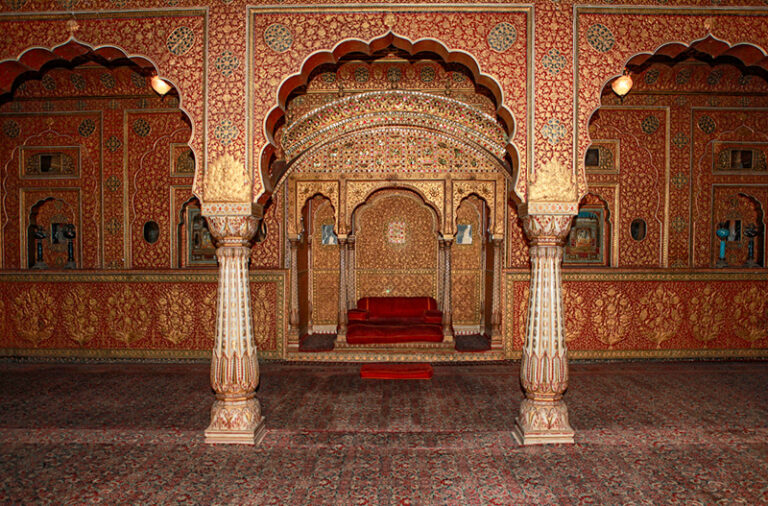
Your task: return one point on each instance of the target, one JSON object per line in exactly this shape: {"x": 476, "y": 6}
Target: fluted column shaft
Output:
{"x": 236, "y": 413}
{"x": 544, "y": 368}
{"x": 440, "y": 274}
{"x": 341, "y": 332}
{"x": 294, "y": 315}
{"x": 447, "y": 304}
{"x": 351, "y": 302}
{"x": 496, "y": 291}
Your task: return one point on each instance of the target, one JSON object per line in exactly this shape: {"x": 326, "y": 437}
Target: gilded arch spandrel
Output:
{"x": 303, "y": 191}
{"x": 432, "y": 192}
{"x": 491, "y": 191}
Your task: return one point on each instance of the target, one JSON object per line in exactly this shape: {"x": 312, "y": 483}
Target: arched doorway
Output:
{"x": 392, "y": 122}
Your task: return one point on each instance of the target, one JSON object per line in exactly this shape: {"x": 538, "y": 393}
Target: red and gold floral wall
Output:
{"x": 129, "y": 164}
{"x": 229, "y": 61}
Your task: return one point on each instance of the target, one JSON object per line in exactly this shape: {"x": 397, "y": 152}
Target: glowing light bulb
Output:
{"x": 622, "y": 85}
{"x": 160, "y": 85}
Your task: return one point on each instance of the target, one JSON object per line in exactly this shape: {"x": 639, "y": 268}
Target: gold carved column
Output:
{"x": 496, "y": 243}
{"x": 440, "y": 273}
{"x": 236, "y": 413}
{"x": 293, "y": 241}
{"x": 351, "y": 301}
{"x": 341, "y": 329}
{"x": 544, "y": 368}
{"x": 447, "y": 304}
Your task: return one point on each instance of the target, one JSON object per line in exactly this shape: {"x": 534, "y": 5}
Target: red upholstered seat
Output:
{"x": 394, "y": 320}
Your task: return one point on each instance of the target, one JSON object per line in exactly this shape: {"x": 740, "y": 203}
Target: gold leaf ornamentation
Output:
{"x": 661, "y": 314}
{"x": 81, "y": 315}
{"x": 207, "y": 314}
{"x": 227, "y": 180}
{"x": 706, "y": 315}
{"x": 573, "y": 303}
{"x": 611, "y": 314}
{"x": 751, "y": 314}
{"x": 554, "y": 182}
{"x": 262, "y": 306}
{"x": 128, "y": 315}
{"x": 34, "y": 315}
{"x": 174, "y": 315}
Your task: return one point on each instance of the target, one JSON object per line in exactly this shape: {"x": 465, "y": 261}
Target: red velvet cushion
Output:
{"x": 396, "y": 371}
{"x": 432, "y": 317}
{"x": 367, "y": 332}
{"x": 397, "y": 307}
{"x": 357, "y": 315}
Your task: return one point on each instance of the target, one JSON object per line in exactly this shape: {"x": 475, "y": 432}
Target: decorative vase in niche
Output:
{"x": 39, "y": 234}
{"x": 722, "y": 233}
{"x": 69, "y": 235}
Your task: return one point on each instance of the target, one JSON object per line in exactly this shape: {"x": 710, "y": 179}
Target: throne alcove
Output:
{"x": 395, "y": 164}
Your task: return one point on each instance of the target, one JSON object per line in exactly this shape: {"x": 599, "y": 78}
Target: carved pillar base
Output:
{"x": 543, "y": 422}
{"x": 236, "y": 422}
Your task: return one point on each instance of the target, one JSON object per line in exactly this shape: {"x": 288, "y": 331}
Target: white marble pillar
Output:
{"x": 236, "y": 413}
{"x": 496, "y": 291}
{"x": 294, "y": 314}
{"x": 447, "y": 304}
{"x": 341, "y": 328}
{"x": 543, "y": 414}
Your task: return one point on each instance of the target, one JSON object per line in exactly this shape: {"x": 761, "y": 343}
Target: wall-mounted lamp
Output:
{"x": 160, "y": 85}
{"x": 622, "y": 85}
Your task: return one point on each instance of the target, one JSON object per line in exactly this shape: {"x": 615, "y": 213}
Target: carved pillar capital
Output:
{"x": 547, "y": 229}
{"x": 232, "y": 230}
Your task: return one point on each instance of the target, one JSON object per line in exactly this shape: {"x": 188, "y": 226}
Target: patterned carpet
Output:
{"x": 647, "y": 433}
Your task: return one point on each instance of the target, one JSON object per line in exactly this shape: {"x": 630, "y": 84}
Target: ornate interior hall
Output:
{"x": 394, "y": 188}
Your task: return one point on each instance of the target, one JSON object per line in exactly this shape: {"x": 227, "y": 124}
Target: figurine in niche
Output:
{"x": 464, "y": 234}
{"x": 201, "y": 238}
{"x": 69, "y": 235}
{"x": 583, "y": 239}
{"x": 734, "y": 230}
{"x": 593, "y": 158}
{"x": 741, "y": 159}
{"x": 751, "y": 231}
{"x": 57, "y": 233}
{"x": 327, "y": 236}
{"x": 201, "y": 249}
{"x": 38, "y": 233}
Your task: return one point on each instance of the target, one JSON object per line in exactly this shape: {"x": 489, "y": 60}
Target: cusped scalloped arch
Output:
{"x": 273, "y": 170}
